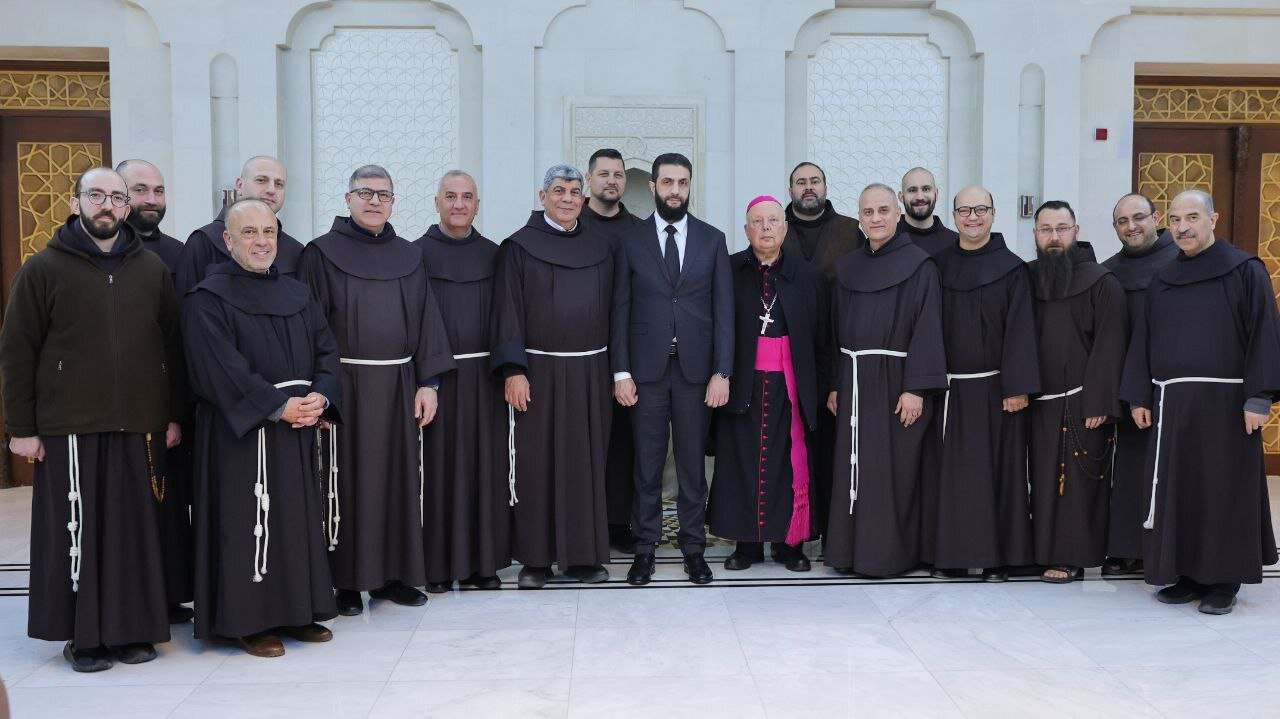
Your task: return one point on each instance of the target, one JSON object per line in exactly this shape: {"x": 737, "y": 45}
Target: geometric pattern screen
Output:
{"x": 47, "y": 173}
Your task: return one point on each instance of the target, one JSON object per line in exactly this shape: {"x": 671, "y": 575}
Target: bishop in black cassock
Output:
{"x": 763, "y": 480}
{"x": 468, "y": 522}
{"x": 1145, "y": 249}
{"x": 1081, "y": 326}
{"x": 1203, "y": 368}
{"x": 376, "y": 295}
{"x": 887, "y": 312}
{"x": 147, "y": 204}
{"x": 550, "y": 335}
{"x": 265, "y": 369}
{"x": 261, "y": 178}
{"x": 977, "y": 508}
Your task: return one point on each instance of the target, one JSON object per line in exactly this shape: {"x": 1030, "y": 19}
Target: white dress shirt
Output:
{"x": 682, "y": 233}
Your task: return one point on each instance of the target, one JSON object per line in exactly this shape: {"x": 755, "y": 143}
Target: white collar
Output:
{"x": 553, "y": 223}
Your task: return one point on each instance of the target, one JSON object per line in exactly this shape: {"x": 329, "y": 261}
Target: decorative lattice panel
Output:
{"x": 47, "y": 173}
{"x": 54, "y": 90}
{"x": 1162, "y": 175}
{"x": 1269, "y": 251}
{"x": 1159, "y": 103}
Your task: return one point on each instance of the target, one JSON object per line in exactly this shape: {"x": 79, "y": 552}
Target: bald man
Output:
{"x": 146, "y": 209}
{"x": 919, "y": 197}
{"x": 763, "y": 474}
{"x": 91, "y": 365}
{"x": 887, "y": 313}
{"x": 262, "y": 178}
{"x": 1208, "y": 524}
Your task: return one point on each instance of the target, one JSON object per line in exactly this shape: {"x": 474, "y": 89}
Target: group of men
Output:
{"x": 912, "y": 395}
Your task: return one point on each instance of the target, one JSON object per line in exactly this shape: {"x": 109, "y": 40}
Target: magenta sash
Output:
{"x": 773, "y": 354}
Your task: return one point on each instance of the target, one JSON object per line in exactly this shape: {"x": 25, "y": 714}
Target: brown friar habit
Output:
{"x": 977, "y": 513}
{"x": 255, "y": 340}
{"x": 553, "y": 293}
{"x": 91, "y": 362}
{"x": 934, "y": 240}
{"x": 1128, "y": 488}
{"x": 1081, "y": 339}
{"x": 887, "y": 301}
{"x": 468, "y": 522}
{"x": 377, "y": 298}
{"x": 620, "y": 463}
{"x": 206, "y": 247}
{"x": 752, "y": 493}
{"x": 175, "y": 511}
{"x": 1208, "y": 316}
{"x": 822, "y": 242}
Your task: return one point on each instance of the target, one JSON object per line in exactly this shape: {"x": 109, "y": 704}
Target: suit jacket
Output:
{"x": 805, "y": 300}
{"x": 648, "y": 309}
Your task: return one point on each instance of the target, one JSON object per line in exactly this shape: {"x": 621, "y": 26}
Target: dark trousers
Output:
{"x": 672, "y": 407}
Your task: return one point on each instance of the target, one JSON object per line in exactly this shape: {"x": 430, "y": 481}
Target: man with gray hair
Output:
{"x": 262, "y": 178}
{"x": 549, "y": 337}
{"x": 376, "y": 296}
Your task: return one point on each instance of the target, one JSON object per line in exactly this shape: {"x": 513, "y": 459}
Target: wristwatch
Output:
{"x": 722, "y": 376}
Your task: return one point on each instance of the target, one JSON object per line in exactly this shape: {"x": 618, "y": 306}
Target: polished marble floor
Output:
{"x": 763, "y": 642}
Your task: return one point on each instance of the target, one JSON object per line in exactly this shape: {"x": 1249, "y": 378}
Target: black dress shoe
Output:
{"x": 533, "y": 577}
{"x": 796, "y": 561}
{"x": 179, "y": 613}
{"x": 740, "y": 560}
{"x": 439, "y": 587}
{"x": 938, "y": 573}
{"x": 87, "y": 660}
{"x": 135, "y": 653}
{"x": 480, "y": 581}
{"x": 312, "y": 632}
{"x": 588, "y": 574}
{"x": 621, "y": 539}
{"x": 1183, "y": 591}
{"x": 696, "y": 567}
{"x": 350, "y": 603}
{"x": 1217, "y": 603}
{"x": 995, "y": 574}
{"x": 641, "y": 570}
{"x": 400, "y": 593}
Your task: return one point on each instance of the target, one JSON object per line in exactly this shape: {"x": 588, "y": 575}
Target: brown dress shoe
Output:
{"x": 307, "y": 633}
{"x": 262, "y": 644}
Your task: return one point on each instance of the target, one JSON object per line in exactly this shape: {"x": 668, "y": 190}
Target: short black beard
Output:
{"x": 100, "y": 232}
{"x": 142, "y": 225}
{"x": 667, "y": 212}
{"x": 1126, "y": 249}
{"x": 928, "y": 211}
{"x": 1055, "y": 270}
{"x": 811, "y": 207}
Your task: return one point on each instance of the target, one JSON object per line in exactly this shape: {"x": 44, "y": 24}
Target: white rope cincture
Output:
{"x": 853, "y": 415}
{"x": 1150, "y": 523}
{"x": 77, "y": 508}
{"x": 375, "y": 363}
{"x": 946, "y": 397}
{"x": 262, "y": 513}
{"x": 471, "y": 355}
{"x": 511, "y": 422}
{"x": 422, "y": 483}
{"x": 334, "y": 518}
{"x": 1060, "y": 395}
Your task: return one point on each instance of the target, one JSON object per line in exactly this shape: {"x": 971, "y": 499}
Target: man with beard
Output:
{"x": 976, "y": 509}
{"x": 887, "y": 312}
{"x": 265, "y": 367}
{"x": 549, "y": 334}
{"x": 762, "y": 483}
{"x": 91, "y": 364}
{"x": 1144, "y": 250}
{"x": 147, "y": 206}
{"x": 1081, "y": 328}
{"x": 819, "y": 234}
{"x": 672, "y": 354}
{"x": 261, "y": 178}
{"x": 814, "y": 229}
{"x": 607, "y": 181}
{"x": 1205, "y": 354}
{"x": 468, "y": 523}
{"x": 374, "y": 291}
{"x": 919, "y": 197}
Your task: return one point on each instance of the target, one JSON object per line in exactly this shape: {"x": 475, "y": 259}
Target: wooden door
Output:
{"x": 54, "y": 125}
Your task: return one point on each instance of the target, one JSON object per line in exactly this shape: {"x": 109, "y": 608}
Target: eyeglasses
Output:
{"x": 1123, "y": 222}
{"x": 1051, "y": 231}
{"x": 98, "y": 197}
{"x": 979, "y": 210}
{"x": 367, "y": 194}
{"x": 762, "y": 222}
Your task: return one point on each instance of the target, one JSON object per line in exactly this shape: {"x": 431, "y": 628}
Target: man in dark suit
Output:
{"x": 671, "y": 348}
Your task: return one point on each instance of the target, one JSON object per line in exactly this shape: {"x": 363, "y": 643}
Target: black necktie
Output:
{"x": 672, "y": 254}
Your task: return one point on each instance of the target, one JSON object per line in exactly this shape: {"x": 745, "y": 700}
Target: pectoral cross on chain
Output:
{"x": 766, "y": 319}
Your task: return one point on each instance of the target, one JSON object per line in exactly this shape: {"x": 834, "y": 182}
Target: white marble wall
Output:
{"x": 744, "y": 64}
